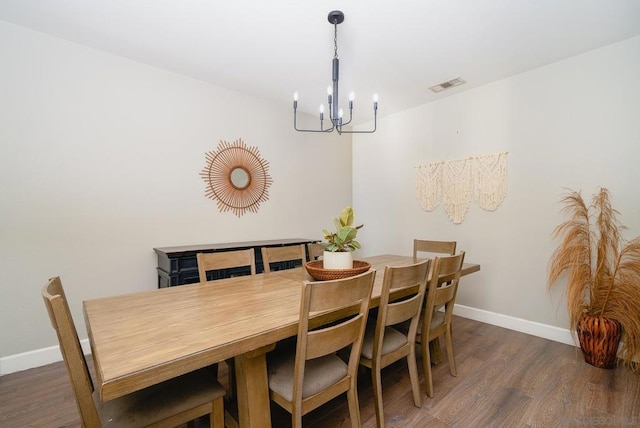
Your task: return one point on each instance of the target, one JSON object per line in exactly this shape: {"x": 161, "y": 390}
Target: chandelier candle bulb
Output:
{"x": 321, "y": 112}
{"x": 351, "y": 98}
{"x": 295, "y": 100}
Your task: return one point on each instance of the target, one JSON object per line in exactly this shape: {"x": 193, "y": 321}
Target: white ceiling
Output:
{"x": 397, "y": 49}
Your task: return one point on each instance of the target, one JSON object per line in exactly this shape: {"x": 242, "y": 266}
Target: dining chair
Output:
{"x": 315, "y": 251}
{"x": 287, "y": 253}
{"x": 314, "y": 374}
{"x": 443, "y": 287}
{"x": 225, "y": 260}
{"x": 434, "y": 247}
{"x": 383, "y": 344}
{"x": 170, "y": 403}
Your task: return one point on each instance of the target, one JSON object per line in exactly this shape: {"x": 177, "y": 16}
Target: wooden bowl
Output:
{"x": 317, "y": 272}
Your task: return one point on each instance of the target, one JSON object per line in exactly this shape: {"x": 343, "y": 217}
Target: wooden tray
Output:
{"x": 318, "y": 273}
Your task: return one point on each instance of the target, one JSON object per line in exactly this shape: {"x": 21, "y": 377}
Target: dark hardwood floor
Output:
{"x": 505, "y": 379}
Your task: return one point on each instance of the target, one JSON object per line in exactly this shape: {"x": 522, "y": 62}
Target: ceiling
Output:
{"x": 398, "y": 49}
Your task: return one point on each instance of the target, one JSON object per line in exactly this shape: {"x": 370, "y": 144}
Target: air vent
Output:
{"x": 446, "y": 85}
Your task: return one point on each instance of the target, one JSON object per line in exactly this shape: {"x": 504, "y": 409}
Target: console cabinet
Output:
{"x": 178, "y": 265}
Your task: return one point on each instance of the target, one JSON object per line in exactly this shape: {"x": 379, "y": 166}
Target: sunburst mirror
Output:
{"x": 237, "y": 178}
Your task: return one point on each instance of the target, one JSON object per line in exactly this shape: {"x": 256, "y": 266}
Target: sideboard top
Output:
{"x": 226, "y": 245}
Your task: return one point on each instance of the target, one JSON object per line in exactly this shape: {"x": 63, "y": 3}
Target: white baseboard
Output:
{"x": 36, "y": 358}
{"x": 41, "y": 357}
{"x": 545, "y": 331}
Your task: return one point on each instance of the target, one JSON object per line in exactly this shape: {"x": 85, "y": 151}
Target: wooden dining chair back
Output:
{"x": 443, "y": 287}
{"x": 401, "y": 300}
{"x": 287, "y": 253}
{"x": 433, "y": 247}
{"x": 315, "y": 251}
{"x": 171, "y": 403}
{"x": 61, "y": 320}
{"x": 225, "y": 260}
{"x": 333, "y": 316}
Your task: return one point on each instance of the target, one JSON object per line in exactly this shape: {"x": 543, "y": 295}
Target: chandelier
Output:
{"x": 335, "y": 112}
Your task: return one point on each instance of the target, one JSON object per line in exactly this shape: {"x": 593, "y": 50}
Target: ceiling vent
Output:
{"x": 446, "y": 85}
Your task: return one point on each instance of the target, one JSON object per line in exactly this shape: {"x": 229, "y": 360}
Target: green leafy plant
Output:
{"x": 344, "y": 238}
{"x": 602, "y": 270}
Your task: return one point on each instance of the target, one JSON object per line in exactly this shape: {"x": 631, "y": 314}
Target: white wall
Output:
{"x": 100, "y": 161}
{"x": 573, "y": 124}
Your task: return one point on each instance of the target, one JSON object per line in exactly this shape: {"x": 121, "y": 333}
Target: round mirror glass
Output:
{"x": 240, "y": 178}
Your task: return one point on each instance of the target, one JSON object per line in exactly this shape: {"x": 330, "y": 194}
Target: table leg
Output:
{"x": 253, "y": 388}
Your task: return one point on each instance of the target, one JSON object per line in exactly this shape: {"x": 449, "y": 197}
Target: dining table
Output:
{"x": 144, "y": 338}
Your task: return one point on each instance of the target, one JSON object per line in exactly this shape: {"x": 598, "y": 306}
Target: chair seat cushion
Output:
{"x": 393, "y": 339}
{"x": 159, "y": 402}
{"x": 437, "y": 320}
{"x": 319, "y": 374}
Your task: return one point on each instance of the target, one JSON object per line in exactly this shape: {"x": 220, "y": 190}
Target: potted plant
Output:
{"x": 603, "y": 280}
{"x": 340, "y": 244}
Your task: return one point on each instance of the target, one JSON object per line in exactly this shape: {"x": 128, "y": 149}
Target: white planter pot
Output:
{"x": 337, "y": 260}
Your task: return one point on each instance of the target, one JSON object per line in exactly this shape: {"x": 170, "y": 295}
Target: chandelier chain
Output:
{"x": 335, "y": 39}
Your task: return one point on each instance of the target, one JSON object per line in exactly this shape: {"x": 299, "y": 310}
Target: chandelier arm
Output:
{"x": 375, "y": 126}
{"x": 350, "y": 118}
{"x": 295, "y": 126}
{"x": 329, "y": 129}
{"x": 314, "y": 130}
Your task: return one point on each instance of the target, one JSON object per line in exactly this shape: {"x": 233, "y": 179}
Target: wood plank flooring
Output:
{"x": 505, "y": 379}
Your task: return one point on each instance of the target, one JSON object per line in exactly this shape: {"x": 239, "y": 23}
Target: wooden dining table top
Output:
{"x": 144, "y": 338}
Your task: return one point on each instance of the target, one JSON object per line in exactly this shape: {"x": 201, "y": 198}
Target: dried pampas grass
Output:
{"x": 602, "y": 270}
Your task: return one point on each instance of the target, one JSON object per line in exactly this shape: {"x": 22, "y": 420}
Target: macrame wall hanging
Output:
{"x": 456, "y": 183}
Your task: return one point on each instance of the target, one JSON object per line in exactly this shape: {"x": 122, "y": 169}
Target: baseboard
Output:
{"x": 41, "y": 357}
{"x": 36, "y": 358}
{"x": 545, "y": 331}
